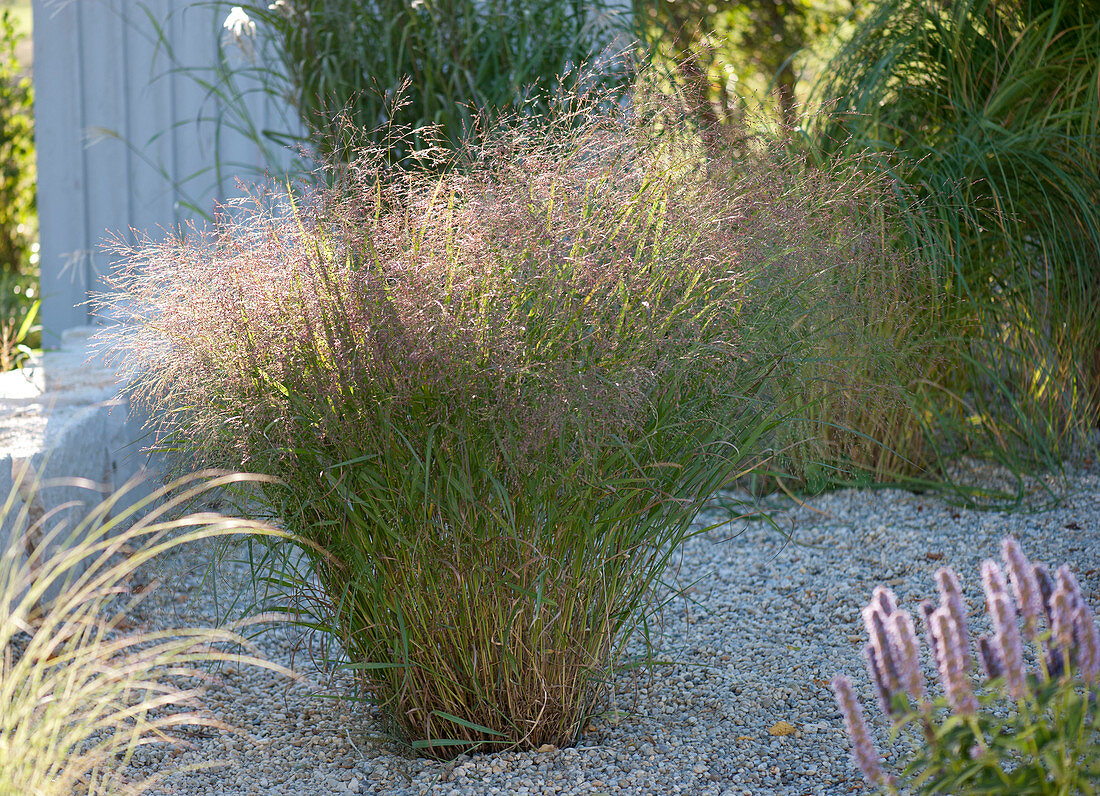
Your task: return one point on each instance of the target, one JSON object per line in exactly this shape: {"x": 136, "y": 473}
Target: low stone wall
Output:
{"x": 67, "y": 440}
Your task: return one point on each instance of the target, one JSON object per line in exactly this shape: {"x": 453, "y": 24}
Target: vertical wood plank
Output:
{"x": 194, "y": 29}
{"x": 59, "y": 148}
{"x": 103, "y": 83}
{"x": 148, "y": 118}
{"x": 127, "y": 136}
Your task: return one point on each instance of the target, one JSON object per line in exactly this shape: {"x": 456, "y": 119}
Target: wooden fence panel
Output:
{"x": 127, "y": 134}
{"x": 132, "y": 134}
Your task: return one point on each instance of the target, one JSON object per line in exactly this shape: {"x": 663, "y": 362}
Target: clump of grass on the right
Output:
{"x": 859, "y": 321}
{"x": 988, "y": 113}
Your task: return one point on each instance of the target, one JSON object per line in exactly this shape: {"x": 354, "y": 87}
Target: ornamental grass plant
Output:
{"x": 495, "y": 395}
{"x": 80, "y": 690}
{"x": 988, "y": 111}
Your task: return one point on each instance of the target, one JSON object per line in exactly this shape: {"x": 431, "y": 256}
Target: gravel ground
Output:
{"x": 762, "y": 625}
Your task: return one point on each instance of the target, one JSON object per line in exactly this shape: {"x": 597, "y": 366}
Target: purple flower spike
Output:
{"x": 885, "y": 599}
{"x": 1025, "y": 586}
{"x": 951, "y": 598}
{"x": 907, "y": 654}
{"x": 953, "y": 668}
{"x": 1061, "y": 618}
{"x": 1088, "y": 644}
{"x": 1068, "y": 580}
{"x": 882, "y": 689}
{"x": 993, "y": 580}
{"x": 1046, "y": 589}
{"x": 864, "y": 753}
{"x": 1007, "y": 640}
{"x": 991, "y": 664}
{"x": 926, "y": 610}
{"x": 875, "y": 623}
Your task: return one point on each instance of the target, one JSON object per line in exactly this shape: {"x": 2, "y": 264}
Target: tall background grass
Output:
{"x": 988, "y": 113}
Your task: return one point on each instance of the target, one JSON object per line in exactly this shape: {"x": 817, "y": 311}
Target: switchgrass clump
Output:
{"x": 79, "y": 690}
{"x": 494, "y": 395}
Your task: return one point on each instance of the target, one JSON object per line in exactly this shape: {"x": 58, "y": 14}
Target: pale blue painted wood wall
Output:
{"x": 119, "y": 138}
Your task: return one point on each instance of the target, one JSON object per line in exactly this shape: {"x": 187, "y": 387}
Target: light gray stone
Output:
{"x": 67, "y": 440}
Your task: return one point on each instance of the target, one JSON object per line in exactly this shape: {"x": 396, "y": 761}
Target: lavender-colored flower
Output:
{"x": 1087, "y": 656}
{"x": 906, "y": 648}
{"x": 1007, "y": 641}
{"x": 926, "y": 610}
{"x": 882, "y": 688}
{"x": 991, "y": 663}
{"x": 1025, "y": 586}
{"x": 953, "y": 668}
{"x": 1046, "y": 589}
{"x": 875, "y": 623}
{"x": 1006, "y": 636}
{"x": 1068, "y": 581}
{"x": 885, "y": 599}
{"x": 951, "y": 598}
{"x": 993, "y": 580}
{"x": 1061, "y": 618}
{"x": 864, "y": 753}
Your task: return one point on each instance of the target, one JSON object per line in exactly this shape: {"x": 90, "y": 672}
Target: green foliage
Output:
{"x": 989, "y": 112}
{"x": 18, "y": 312}
{"x": 356, "y": 71}
{"x": 18, "y": 255}
{"x": 78, "y": 692}
{"x": 1047, "y": 743}
{"x": 729, "y": 55}
{"x": 17, "y": 195}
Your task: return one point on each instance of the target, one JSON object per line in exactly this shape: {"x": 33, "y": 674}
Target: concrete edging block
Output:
{"x": 67, "y": 441}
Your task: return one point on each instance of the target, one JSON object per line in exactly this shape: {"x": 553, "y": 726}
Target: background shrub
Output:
{"x": 18, "y": 222}
{"x": 358, "y": 71}
{"x": 735, "y": 58}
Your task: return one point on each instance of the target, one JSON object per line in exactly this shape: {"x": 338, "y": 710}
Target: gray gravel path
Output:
{"x": 762, "y": 625}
